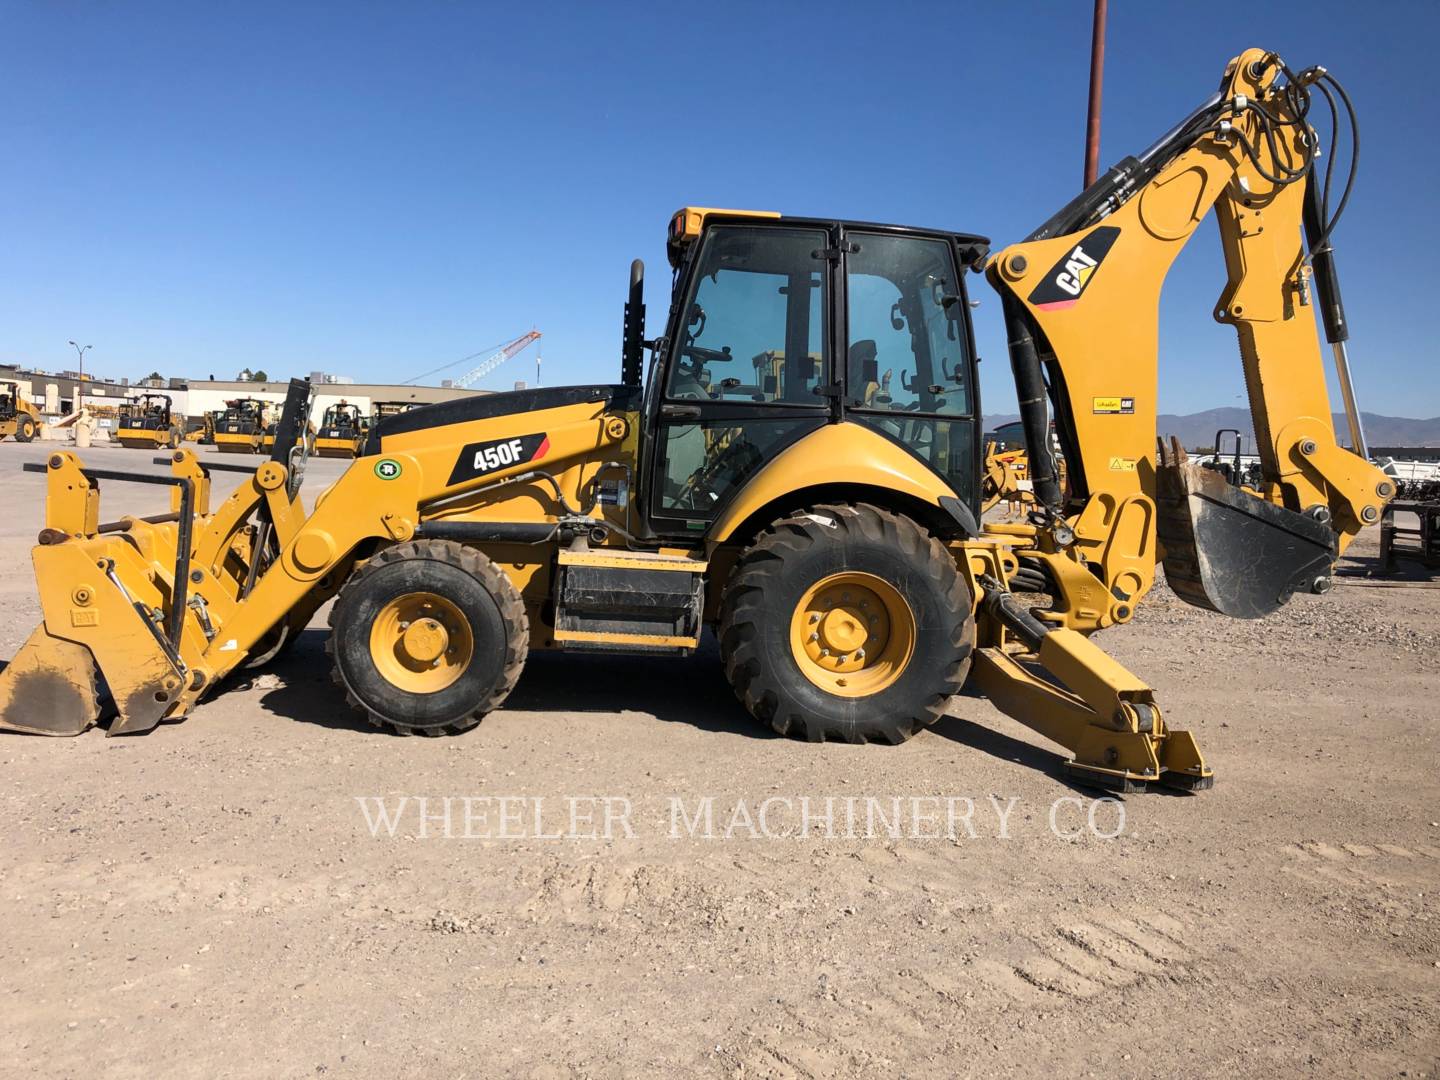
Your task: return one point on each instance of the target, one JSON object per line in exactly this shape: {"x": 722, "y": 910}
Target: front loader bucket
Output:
{"x": 1231, "y": 552}
{"x": 49, "y": 688}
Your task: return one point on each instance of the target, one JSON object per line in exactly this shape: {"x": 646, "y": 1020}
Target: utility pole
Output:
{"x": 1097, "y": 79}
{"x": 80, "y": 382}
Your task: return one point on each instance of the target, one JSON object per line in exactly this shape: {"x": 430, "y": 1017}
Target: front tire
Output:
{"x": 24, "y": 429}
{"x": 848, "y": 623}
{"x": 427, "y": 637}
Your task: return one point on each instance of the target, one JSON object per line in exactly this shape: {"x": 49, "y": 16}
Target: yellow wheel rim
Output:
{"x": 852, "y": 634}
{"x": 421, "y": 642}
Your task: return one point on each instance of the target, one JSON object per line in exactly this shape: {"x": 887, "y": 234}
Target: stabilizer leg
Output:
{"x": 1071, "y": 692}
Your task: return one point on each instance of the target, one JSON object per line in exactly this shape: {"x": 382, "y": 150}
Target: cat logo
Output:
{"x": 1077, "y": 271}
{"x": 1069, "y": 277}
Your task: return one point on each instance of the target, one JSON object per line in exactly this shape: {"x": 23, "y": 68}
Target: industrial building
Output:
{"x": 199, "y": 397}
{"x": 55, "y": 394}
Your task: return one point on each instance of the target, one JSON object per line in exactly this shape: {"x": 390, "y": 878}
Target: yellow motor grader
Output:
{"x": 828, "y": 534}
{"x": 147, "y": 422}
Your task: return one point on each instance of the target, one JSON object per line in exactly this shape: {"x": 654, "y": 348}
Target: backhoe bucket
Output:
{"x": 1229, "y": 551}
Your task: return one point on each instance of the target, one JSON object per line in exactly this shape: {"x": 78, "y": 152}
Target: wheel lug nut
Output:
{"x": 814, "y": 618}
{"x": 859, "y": 654}
{"x": 404, "y": 626}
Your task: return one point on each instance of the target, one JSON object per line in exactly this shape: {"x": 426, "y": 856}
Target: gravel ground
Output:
{"x": 211, "y": 900}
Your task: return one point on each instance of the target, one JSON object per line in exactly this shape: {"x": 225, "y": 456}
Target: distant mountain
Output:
{"x": 1197, "y": 430}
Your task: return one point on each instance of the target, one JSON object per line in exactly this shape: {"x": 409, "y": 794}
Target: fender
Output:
{"x": 844, "y": 453}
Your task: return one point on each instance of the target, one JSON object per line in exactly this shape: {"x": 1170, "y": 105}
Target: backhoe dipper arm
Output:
{"x": 1081, "y": 297}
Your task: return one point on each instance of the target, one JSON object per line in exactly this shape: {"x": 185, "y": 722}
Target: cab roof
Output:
{"x": 688, "y": 222}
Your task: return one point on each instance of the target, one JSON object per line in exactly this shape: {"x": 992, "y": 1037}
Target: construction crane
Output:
{"x": 490, "y": 363}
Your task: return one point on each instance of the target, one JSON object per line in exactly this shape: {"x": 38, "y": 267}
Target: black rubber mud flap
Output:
{"x": 1227, "y": 550}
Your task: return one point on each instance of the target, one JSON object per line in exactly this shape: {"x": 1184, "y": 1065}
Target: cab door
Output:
{"x": 747, "y": 369}
{"x": 909, "y": 370}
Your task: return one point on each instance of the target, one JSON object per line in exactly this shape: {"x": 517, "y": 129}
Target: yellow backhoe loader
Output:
{"x": 1005, "y": 477}
{"x": 829, "y": 534}
{"x": 146, "y": 422}
{"x": 343, "y": 431}
{"x": 240, "y": 429}
{"x": 1005, "y": 471}
{"x": 18, "y": 417}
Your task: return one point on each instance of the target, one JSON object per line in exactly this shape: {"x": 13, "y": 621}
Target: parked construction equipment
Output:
{"x": 342, "y": 432}
{"x": 759, "y": 482}
{"x": 383, "y": 410}
{"x": 18, "y": 417}
{"x": 1004, "y": 476}
{"x": 146, "y": 422}
{"x": 240, "y": 428}
{"x": 267, "y": 440}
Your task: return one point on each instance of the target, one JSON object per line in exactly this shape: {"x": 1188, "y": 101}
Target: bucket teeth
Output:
{"x": 49, "y": 688}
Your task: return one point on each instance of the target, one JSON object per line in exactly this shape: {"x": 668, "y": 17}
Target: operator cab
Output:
{"x": 146, "y": 412}
{"x": 342, "y": 420}
{"x": 779, "y": 326}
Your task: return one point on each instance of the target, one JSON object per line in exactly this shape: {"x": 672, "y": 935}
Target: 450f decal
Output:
{"x": 480, "y": 458}
{"x": 1069, "y": 277}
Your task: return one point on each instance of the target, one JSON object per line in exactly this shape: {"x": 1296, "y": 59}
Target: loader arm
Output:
{"x": 165, "y": 608}
{"x": 1081, "y": 299}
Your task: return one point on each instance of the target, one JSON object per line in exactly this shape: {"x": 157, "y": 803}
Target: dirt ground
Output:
{"x": 210, "y": 900}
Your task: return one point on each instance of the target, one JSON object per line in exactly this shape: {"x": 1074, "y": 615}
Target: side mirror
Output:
{"x": 632, "y": 338}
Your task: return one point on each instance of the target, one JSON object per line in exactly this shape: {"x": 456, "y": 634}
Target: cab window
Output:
{"x": 908, "y": 350}
{"x": 753, "y": 325}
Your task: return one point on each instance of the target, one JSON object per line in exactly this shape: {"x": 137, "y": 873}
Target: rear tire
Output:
{"x": 24, "y": 428}
{"x": 880, "y": 592}
{"x": 463, "y": 656}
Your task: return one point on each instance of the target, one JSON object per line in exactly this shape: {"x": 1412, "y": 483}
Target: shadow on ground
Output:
{"x": 690, "y": 691}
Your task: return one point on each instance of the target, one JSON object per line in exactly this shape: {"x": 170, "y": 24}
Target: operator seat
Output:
{"x": 863, "y": 371}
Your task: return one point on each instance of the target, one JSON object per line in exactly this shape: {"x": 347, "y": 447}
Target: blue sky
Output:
{"x": 377, "y": 189}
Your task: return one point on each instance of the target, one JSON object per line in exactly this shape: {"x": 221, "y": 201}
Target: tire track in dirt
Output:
{"x": 1361, "y": 867}
{"x": 860, "y": 1029}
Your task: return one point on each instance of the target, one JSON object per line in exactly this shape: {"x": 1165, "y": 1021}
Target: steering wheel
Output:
{"x": 703, "y": 355}
{"x": 738, "y": 458}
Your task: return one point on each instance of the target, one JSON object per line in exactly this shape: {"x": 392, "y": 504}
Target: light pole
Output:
{"x": 1097, "y": 79}
{"x": 80, "y": 382}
